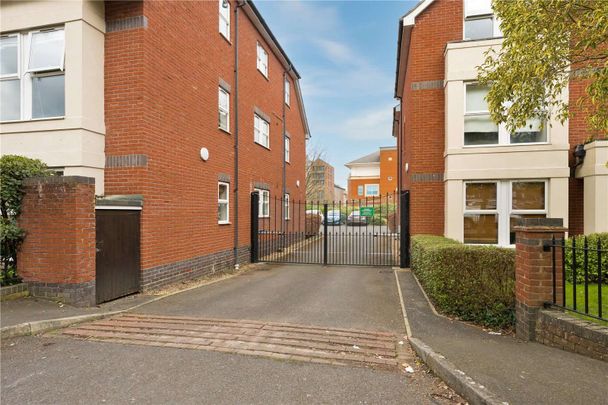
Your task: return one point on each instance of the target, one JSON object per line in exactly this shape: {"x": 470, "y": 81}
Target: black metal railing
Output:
{"x": 580, "y": 275}
{"x": 351, "y": 232}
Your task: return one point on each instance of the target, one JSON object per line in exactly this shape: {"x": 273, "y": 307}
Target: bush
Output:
{"x": 474, "y": 283}
{"x": 592, "y": 258}
{"x": 13, "y": 170}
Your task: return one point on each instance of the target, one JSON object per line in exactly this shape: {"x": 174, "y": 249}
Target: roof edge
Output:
{"x": 252, "y": 12}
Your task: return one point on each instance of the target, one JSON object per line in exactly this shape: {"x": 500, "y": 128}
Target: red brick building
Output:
{"x": 189, "y": 105}
{"x": 373, "y": 175}
{"x": 470, "y": 179}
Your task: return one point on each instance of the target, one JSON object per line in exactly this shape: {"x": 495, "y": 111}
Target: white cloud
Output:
{"x": 369, "y": 124}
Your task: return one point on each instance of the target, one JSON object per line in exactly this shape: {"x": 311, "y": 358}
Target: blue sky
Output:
{"x": 345, "y": 52}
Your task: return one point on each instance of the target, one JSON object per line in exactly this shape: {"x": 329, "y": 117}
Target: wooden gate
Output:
{"x": 118, "y": 256}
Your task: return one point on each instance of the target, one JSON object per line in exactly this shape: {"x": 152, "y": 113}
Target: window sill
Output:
{"x": 499, "y": 145}
{"x": 265, "y": 217}
{"x": 33, "y": 120}
{"x": 224, "y": 223}
{"x": 226, "y": 131}
{"x": 263, "y": 146}
{"x": 225, "y": 38}
{"x": 263, "y": 75}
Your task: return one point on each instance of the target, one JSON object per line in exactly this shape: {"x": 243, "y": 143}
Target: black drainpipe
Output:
{"x": 236, "y": 135}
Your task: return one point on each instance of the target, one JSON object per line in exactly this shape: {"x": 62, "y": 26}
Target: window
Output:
{"x": 372, "y": 190}
{"x": 359, "y": 190}
{"x": 261, "y": 131}
{"x": 528, "y": 200}
{"x": 264, "y": 203}
{"x": 492, "y": 209}
{"x": 223, "y": 203}
{"x": 262, "y": 60}
{"x": 32, "y": 75}
{"x": 225, "y": 18}
{"x": 287, "y": 92}
{"x": 481, "y": 213}
{"x": 479, "y": 21}
{"x": 479, "y": 129}
{"x": 287, "y": 146}
{"x": 224, "y": 109}
{"x": 286, "y": 206}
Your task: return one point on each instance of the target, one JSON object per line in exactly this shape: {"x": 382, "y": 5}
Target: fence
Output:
{"x": 354, "y": 232}
{"x": 582, "y": 270}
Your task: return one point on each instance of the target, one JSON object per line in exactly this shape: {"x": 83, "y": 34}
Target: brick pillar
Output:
{"x": 534, "y": 271}
{"x": 57, "y": 258}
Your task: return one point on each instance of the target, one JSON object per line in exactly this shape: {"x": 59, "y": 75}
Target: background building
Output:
{"x": 320, "y": 181}
{"x": 339, "y": 193}
{"x": 374, "y": 174}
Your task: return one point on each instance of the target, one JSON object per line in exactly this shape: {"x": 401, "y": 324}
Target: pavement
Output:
{"x": 516, "y": 371}
{"x": 31, "y": 309}
{"x": 55, "y": 368}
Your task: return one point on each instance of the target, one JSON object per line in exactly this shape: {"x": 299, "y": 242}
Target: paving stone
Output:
{"x": 280, "y": 341}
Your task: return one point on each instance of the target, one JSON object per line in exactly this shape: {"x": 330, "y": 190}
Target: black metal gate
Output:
{"x": 118, "y": 256}
{"x": 364, "y": 232}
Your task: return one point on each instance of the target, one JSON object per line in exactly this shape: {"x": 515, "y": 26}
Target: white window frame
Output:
{"x": 504, "y": 136}
{"x": 286, "y": 209}
{"x": 504, "y": 206}
{"x": 287, "y": 92}
{"x": 496, "y": 32}
{"x": 262, "y": 60}
{"x": 263, "y": 202}
{"x": 259, "y": 136}
{"x": 221, "y": 109}
{"x": 367, "y": 194}
{"x": 25, "y": 75}
{"x": 361, "y": 188}
{"x": 287, "y": 148}
{"x": 224, "y": 20}
{"x": 225, "y": 201}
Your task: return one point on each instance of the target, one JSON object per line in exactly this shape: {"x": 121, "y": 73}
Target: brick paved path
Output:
{"x": 269, "y": 339}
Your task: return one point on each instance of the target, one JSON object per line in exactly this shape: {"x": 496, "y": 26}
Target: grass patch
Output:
{"x": 593, "y": 296}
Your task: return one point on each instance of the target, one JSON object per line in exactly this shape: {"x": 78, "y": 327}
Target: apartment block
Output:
{"x": 373, "y": 175}
{"x": 469, "y": 178}
{"x": 188, "y": 106}
{"x": 320, "y": 182}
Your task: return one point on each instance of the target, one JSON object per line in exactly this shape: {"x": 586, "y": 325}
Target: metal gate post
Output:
{"x": 405, "y": 230}
{"x": 255, "y": 201}
{"x": 325, "y": 234}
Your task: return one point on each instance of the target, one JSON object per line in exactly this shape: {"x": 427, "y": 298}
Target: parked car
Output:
{"x": 334, "y": 217}
{"x": 356, "y": 219}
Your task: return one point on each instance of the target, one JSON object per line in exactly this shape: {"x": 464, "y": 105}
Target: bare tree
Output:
{"x": 313, "y": 184}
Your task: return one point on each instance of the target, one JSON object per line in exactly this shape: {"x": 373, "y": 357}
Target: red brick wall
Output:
{"x": 353, "y": 185}
{"x": 162, "y": 101}
{"x": 58, "y": 216}
{"x": 388, "y": 168}
{"x": 424, "y": 112}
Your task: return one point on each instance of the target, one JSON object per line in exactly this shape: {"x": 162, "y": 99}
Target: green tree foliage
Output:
{"x": 13, "y": 170}
{"x": 546, "y": 44}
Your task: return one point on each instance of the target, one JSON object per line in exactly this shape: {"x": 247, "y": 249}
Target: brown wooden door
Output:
{"x": 118, "y": 256}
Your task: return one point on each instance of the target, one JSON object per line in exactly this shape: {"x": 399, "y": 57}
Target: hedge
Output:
{"x": 474, "y": 283}
{"x": 592, "y": 258}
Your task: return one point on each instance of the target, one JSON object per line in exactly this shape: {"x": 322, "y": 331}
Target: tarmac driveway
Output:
{"x": 345, "y": 297}
{"x": 55, "y": 368}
